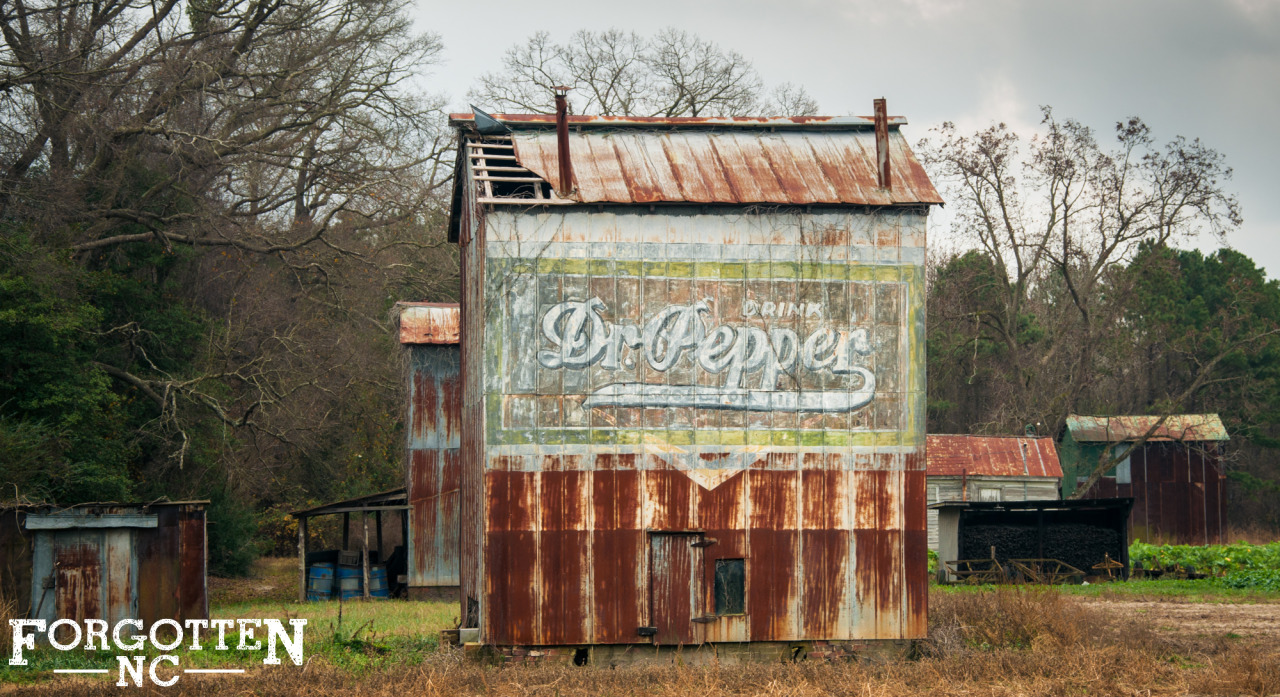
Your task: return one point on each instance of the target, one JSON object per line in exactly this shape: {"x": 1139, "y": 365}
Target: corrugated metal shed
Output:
{"x": 994, "y": 456}
{"x": 430, "y": 334}
{"x": 115, "y": 561}
{"x": 1115, "y": 429}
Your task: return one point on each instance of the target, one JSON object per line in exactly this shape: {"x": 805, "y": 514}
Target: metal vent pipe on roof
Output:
{"x": 562, "y": 140}
{"x": 882, "y": 145}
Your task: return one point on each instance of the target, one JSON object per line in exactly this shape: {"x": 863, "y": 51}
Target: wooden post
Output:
{"x": 364, "y": 518}
{"x": 302, "y": 559}
{"x": 346, "y": 530}
{"x": 377, "y": 523}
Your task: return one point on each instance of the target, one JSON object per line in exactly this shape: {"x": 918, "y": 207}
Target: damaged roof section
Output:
{"x": 1178, "y": 427}
{"x": 628, "y": 160}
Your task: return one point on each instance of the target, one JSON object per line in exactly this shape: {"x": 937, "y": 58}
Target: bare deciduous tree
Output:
{"x": 618, "y": 73}
{"x": 280, "y": 132}
{"x": 1056, "y": 224}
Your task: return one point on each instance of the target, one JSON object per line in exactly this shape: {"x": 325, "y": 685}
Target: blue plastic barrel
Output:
{"x": 350, "y": 582}
{"x": 320, "y": 581}
{"x": 378, "y": 582}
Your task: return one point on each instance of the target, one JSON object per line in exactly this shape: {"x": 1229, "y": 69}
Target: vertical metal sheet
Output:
{"x": 433, "y": 472}
{"x": 674, "y": 583}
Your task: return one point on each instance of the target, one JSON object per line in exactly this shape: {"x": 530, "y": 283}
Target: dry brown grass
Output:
{"x": 1008, "y": 642}
{"x": 1253, "y": 534}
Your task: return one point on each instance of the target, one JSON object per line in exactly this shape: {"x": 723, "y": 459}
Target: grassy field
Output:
{"x": 1150, "y": 638}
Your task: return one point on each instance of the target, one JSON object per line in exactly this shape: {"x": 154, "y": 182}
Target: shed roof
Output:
{"x": 1178, "y": 427}
{"x": 995, "y": 456}
{"x": 780, "y": 161}
{"x": 429, "y": 323}
{"x": 391, "y": 499}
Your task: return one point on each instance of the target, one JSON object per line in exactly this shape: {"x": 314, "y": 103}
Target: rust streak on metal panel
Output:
{"x": 796, "y": 187}
{"x": 512, "y": 500}
{"x": 616, "y": 499}
{"x": 563, "y": 565}
{"x": 617, "y": 590}
{"x": 78, "y": 581}
{"x": 825, "y": 553}
{"x": 193, "y": 603}
{"x": 429, "y": 323}
{"x": 510, "y": 586}
{"x": 916, "y": 557}
{"x": 669, "y": 497}
{"x": 770, "y": 580}
{"x": 723, "y": 508}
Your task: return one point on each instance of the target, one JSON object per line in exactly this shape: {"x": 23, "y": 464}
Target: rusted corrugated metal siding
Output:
{"x": 433, "y": 474}
{"x": 996, "y": 456}
{"x": 102, "y": 571}
{"x": 801, "y": 167}
{"x": 622, "y": 450}
{"x": 1178, "y": 491}
{"x": 429, "y": 323}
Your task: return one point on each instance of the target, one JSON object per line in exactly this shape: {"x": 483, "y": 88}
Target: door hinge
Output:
{"x": 704, "y": 542}
{"x": 705, "y": 619}
{"x": 647, "y": 631}
{"x": 46, "y": 582}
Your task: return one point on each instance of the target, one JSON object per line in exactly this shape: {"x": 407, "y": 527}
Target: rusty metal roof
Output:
{"x": 1178, "y": 427}
{"x": 429, "y": 323}
{"x": 797, "y": 160}
{"x": 994, "y": 456}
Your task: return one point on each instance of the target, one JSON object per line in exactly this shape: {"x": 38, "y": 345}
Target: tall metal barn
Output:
{"x": 429, "y": 334}
{"x": 694, "y": 389}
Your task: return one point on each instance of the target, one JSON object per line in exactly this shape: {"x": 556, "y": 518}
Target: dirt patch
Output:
{"x": 272, "y": 579}
{"x": 1258, "y": 622}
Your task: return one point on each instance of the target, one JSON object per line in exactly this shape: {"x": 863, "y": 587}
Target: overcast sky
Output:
{"x": 1199, "y": 68}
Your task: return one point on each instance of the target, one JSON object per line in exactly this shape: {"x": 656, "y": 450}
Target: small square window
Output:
{"x": 731, "y": 586}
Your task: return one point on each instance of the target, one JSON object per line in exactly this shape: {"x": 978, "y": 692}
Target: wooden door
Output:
{"x": 675, "y": 572}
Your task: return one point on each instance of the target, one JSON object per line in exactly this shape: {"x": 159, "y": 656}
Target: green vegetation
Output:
{"x": 1215, "y": 560}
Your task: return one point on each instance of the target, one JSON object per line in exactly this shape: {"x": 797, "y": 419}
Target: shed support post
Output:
{"x": 377, "y": 523}
{"x": 302, "y": 559}
{"x": 364, "y": 557}
{"x": 346, "y": 531}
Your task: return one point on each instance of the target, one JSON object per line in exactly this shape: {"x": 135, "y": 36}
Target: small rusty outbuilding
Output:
{"x": 107, "y": 561}
{"x": 693, "y": 368}
{"x": 1175, "y": 478}
{"x": 429, "y": 334}
{"x": 989, "y": 468}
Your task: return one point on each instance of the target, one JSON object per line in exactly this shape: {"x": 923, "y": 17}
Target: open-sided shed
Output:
{"x": 989, "y": 468}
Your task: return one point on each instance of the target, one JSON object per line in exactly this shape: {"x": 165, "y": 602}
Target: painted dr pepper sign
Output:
{"x": 721, "y": 354}
{"x": 742, "y": 354}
